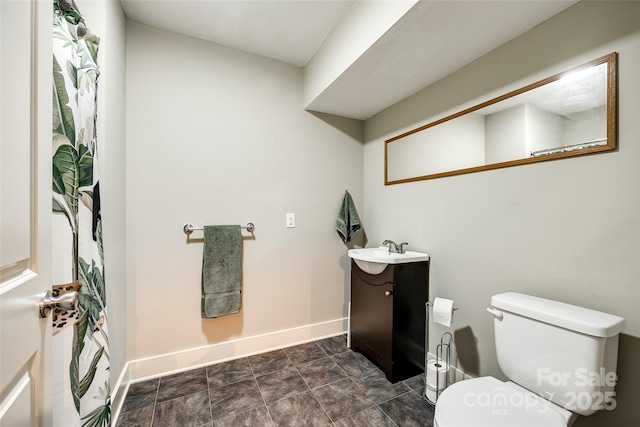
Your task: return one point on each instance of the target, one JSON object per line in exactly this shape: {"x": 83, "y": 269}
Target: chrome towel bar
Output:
{"x": 189, "y": 228}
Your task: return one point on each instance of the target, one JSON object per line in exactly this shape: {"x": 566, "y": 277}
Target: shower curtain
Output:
{"x": 76, "y": 195}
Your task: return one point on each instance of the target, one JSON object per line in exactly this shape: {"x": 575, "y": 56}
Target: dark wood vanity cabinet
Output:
{"x": 388, "y": 317}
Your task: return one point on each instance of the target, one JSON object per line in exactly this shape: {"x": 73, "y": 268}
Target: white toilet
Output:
{"x": 560, "y": 359}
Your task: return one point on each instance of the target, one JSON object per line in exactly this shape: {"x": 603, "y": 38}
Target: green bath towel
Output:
{"x": 221, "y": 270}
{"x": 348, "y": 222}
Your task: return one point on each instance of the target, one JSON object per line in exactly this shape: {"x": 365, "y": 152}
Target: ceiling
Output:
{"x": 433, "y": 39}
{"x": 287, "y": 30}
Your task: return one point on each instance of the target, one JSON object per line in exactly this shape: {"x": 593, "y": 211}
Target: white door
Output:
{"x": 25, "y": 211}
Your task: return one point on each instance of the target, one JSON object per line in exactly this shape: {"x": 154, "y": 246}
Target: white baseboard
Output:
{"x": 118, "y": 393}
{"x": 171, "y": 363}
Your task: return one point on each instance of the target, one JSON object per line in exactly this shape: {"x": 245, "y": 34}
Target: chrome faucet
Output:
{"x": 393, "y": 248}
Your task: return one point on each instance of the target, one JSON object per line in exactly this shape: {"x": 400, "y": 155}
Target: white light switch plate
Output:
{"x": 291, "y": 220}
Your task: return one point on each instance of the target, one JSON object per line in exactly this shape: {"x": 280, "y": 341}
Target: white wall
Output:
{"x": 585, "y": 126}
{"x": 567, "y": 229}
{"x": 452, "y": 145}
{"x": 505, "y": 134}
{"x": 217, "y": 136}
{"x": 545, "y": 129}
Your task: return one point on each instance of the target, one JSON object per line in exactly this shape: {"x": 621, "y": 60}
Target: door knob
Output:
{"x": 388, "y": 293}
{"x": 68, "y": 301}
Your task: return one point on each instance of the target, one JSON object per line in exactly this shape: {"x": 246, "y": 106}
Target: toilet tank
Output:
{"x": 564, "y": 353}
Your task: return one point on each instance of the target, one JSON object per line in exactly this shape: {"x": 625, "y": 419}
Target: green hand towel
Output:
{"x": 348, "y": 222}
{"x": 221, "y": 271}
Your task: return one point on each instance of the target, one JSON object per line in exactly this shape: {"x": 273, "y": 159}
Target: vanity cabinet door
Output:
{"x": 372, "y": 318}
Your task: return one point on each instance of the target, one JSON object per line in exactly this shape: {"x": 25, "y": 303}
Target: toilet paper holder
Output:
{"x": 443, "y": 354}
{"x": 442, "y": 366}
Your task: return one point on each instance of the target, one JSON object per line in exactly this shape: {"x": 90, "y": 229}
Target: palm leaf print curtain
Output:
{"x": 76, "y": 195}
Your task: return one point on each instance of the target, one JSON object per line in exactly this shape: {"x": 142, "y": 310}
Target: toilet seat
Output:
{"x": 489, "y": 402}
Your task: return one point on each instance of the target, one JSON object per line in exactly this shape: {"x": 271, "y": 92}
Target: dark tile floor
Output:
{"x": 321, "y": 383}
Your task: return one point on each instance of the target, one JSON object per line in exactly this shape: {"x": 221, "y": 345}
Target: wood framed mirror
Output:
{"x": 572, "y": 113}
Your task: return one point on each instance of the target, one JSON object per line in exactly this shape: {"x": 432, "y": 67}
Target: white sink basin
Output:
{"x": 375, "y": 260}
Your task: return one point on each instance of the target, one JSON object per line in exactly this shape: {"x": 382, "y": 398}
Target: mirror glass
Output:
{"x": 568, "y": 114}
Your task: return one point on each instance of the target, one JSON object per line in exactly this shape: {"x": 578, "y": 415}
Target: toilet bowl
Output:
{"x": 489, "y": 402}
{"x": 546, "y": 349}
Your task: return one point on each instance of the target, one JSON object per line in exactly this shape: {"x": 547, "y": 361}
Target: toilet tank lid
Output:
{"x": 572, "y": 317}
